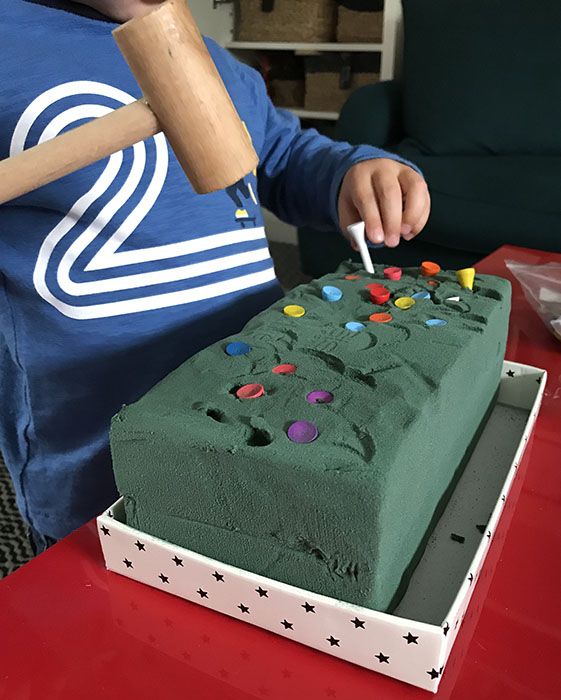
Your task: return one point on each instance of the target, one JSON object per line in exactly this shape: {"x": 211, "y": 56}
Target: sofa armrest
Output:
{"x": 372, "y": 115}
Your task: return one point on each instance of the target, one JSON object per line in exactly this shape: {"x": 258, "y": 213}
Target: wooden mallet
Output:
{"x": 184, "y": 97}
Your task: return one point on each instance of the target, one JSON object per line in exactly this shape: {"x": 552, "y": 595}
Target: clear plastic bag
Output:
{"x": 542, "y": 288}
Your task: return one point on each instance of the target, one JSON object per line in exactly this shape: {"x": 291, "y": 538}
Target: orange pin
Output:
{"x": 429, "y": 269}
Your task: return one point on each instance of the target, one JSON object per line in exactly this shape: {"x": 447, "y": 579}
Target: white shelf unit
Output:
{"x": 309, "y": 114}
{"x": 307, "y": 47}
{"x": 217, "y": 21}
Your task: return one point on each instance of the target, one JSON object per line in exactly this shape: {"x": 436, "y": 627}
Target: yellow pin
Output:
{"x": 404, "y": 303}
{"x": 466, "y": 277}
{"x": 294, "y": 311}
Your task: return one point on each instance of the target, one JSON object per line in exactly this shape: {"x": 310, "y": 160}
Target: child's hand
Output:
{"x": 391, "y": 198}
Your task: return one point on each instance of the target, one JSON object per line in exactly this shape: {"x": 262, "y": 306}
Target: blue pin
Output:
{"x": 355, "y": 326}
{"x": 237, "y": 348}
{"x": 434, "y": 322}
{"x": 420, "y": 295}
{"x": 331, "y": 293}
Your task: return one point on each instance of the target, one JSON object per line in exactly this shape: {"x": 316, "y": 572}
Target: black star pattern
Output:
{"x": 262, "y": 592}
{"x": 358, "y": 623}
{"x": 287, "y": 625}
{"x": 309, "y": 608}
{"x": 141, "y": 547}
{"x": 128, "y": 563}
{"x": 480, "y": 528}
{"x": 433, "y": 673}
{"x": 382, "y": 658}
{"x": 411, "y": 639}
{"x": 332, "y": 641}
{"x": 510, "y": 373}
{"x": 218, "y": 577}
{"x": 178, "y": 561}
{"x": 243, "y": 608}
{"x": 105, "y": 530}
{"x": 446, "y": 628}
{"x": 202, "y": 593}
{"x": 539, "y": 380}
{"x": 470, "y": 579}
{"x": 110, "y": 514}
{"x": 489, "y": 534}
{"x": 503, "y": 498}
{"x": 165, "y": 579}
{"x": 457, "y": 538}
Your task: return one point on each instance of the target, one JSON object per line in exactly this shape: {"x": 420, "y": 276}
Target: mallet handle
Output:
{"x": 76, "y": 149}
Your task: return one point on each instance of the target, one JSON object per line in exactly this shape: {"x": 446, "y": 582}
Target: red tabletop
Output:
{"x": 69, "y": 629}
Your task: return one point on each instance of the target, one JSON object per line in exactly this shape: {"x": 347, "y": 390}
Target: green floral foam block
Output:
{"x": 318, "y": 446}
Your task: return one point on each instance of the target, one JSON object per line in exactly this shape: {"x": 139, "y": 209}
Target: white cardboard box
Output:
{"x": 413, "y": 643}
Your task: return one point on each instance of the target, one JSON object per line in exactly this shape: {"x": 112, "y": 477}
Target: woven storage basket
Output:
{"x": 360, "y": 21}
{"x": 287, "y": 81}
{"x": 331, "y": 78}
{"x": 286, "y": 20}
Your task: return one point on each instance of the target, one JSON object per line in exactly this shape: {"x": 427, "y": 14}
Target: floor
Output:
{"x": 14, "y": 545}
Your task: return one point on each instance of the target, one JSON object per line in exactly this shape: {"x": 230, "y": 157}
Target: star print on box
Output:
{"x": 332, "y": 641}
{"x": 141, "y": 547}
{"x": 359, "y": 624}
{"x": 433, "y": 673}
{"x": 218, "y": 577}
{"x": 163, "y": 578}
{"x": 128, "y": 563}
{"x": 105, "y": 530}
{"x": 382, "y": 658}
{"x": 411, "y": 639}
{"x": 470, "y": 578}
{"x": 510, "y": 373}
{"x": 202, "y": 593}
{"x": 262, "y": 593}
{"x": 446, "y": 629}
{"x": 243, "y": 608}
{"x": 178, "y": 561}
{"x": 309, "y": 608}
{"x": 287, "y": 625}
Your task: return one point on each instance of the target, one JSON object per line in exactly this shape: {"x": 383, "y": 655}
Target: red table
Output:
{"x": 69, "y": 629}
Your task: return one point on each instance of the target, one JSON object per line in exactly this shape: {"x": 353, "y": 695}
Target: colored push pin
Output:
{"x": 393, "y": 273}
{"x": 466, "y": 277}
{"x": 294, "y": 311}
{"x": 429, "y": 269}
{"x": 379, "y": 294}
{"x": 330, "y": 293}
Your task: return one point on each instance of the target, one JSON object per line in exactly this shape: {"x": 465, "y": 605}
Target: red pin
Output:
{"x": 250, "y": 391}
{"x": 393, "y": 273}
{"x": 380, "y": 296}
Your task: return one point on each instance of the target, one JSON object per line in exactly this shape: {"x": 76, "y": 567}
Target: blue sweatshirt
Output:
{"x": 113, "y": 276}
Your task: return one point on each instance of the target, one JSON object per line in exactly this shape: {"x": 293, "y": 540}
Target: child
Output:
{"x": 113, "y": 276}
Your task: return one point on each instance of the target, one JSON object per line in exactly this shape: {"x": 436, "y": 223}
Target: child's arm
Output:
{"x": 306, "y": 178}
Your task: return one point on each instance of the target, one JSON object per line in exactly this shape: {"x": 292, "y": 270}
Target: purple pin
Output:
{"x": 302, "y": 432}
{"x": 319, "y": 397}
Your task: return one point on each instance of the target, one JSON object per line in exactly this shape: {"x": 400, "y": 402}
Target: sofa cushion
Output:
{"x": 483, "y": 76}
{"x": 482, "y": 202}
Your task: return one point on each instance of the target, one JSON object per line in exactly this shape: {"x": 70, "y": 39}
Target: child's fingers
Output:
{"x": 365, "y": 202}
{"x": 416, "y": 204}
{"x": 390, "y": 203}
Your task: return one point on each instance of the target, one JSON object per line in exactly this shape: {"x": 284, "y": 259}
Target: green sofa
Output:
{"x": 478, "y": 110}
